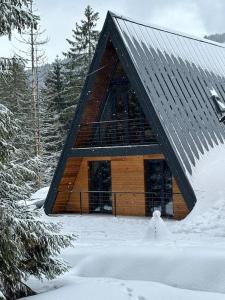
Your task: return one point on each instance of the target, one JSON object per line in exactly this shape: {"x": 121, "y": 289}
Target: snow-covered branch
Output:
{"x": 15, "y": 15}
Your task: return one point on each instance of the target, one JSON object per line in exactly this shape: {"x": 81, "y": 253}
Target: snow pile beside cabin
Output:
{"x": 210, "y": 221}
{"x": 208, "y": 179}
{"x": 208, "y": 182}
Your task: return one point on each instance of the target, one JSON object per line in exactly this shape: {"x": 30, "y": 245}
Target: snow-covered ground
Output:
{"x": 117, "y": 258}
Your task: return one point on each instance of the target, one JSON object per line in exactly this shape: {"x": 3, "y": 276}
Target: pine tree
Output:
{"x": 14, "y": 15}
{"x": 15, "y": 95}
{"x": 28, "y": 246}
{"x": 54, "y": 119}
{"x": 84, "y": 39}
{"x": 79, "y": 56}
{"x": 7, "y": 126}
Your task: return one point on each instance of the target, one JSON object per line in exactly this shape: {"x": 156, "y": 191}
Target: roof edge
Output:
{"x": 164, "y": 29}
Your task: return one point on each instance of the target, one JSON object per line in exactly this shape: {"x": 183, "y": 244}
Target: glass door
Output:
{"x": 100, "y": 187}
{"x": 158, "y": 187}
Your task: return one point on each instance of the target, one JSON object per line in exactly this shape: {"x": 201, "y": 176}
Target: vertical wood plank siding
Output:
{"x": 127, "y": 174}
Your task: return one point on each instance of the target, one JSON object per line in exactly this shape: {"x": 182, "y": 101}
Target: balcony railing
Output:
{"x": 115, "y": 133}
{"x": 117, "y": 203}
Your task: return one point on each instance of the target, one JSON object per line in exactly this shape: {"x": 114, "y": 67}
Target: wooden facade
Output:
{"x": 128, "y": 182}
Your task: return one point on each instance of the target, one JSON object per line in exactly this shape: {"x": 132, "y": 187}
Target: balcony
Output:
{"x": 115, "y": 133}
{"x": 118, "y": 203}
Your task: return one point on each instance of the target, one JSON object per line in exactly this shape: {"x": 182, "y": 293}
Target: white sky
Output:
{"x": 58, "y": 17}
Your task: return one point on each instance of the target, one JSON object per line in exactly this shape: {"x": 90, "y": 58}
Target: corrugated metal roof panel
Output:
{"x": 178, "y": 72}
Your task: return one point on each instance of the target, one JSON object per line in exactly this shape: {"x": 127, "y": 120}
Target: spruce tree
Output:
{"x": 14, "y": 15}
{"x": 84, "y": 39}
{"x": 28, "y": 246}
{"x": 81, "y": 49}
{"x": 54, "y": 118}
{"x": 15, "y": 95}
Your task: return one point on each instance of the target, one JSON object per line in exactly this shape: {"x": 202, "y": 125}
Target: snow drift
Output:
{"x": 208, "y": 179}
{"x": 208, "y": 182}
{"x": 187, "y": 269}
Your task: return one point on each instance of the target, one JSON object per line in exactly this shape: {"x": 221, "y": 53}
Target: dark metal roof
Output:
{"x": 178, "y": 71}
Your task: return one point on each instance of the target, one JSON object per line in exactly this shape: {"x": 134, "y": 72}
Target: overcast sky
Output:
{"x": 58, "y": 17}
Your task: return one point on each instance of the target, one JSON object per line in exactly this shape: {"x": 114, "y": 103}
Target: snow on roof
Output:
{"x": 214, "y": 93}
{"x": 221, "y": 105}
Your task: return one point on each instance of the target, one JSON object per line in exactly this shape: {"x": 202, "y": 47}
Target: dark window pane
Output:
{"x": 100, "y": 187}
{"x": 158, "y": 186}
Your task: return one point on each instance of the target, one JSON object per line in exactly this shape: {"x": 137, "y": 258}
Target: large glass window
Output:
{"x": 127, "y": 123}
{"x": 158, "y": 186}
{"x": 122, "y": 120}
{"x": 100, "y": 186}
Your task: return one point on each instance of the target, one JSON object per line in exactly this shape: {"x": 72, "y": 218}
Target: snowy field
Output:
{"x": 111, "y": 260}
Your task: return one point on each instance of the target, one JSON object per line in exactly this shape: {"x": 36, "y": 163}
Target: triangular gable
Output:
{"x": 117, "y": 119}
{"x": 172, "y": 88}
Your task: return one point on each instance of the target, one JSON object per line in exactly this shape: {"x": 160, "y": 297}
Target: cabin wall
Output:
{"x": 127, "y": 175}
{"x": 80, "y": 202}
{"x": 66, "y": 184}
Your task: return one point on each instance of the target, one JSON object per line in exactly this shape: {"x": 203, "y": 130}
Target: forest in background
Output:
{"x": 41, "y": 99}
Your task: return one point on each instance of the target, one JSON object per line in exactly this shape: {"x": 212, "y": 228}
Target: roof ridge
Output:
{"x": 164, "y": 29}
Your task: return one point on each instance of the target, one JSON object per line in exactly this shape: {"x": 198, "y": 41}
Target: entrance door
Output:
{"x": 100, "y": 187}
{"x": 158, "y": 187}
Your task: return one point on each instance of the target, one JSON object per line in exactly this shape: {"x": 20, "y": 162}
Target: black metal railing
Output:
{"x": 117, "y": 203}
{"x": 115, "y": 133}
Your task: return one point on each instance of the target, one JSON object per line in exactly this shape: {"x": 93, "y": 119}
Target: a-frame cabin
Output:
{"x": 149, "y": 113}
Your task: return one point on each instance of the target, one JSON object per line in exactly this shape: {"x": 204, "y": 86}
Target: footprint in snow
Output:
{"x": 129, "y": 291}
